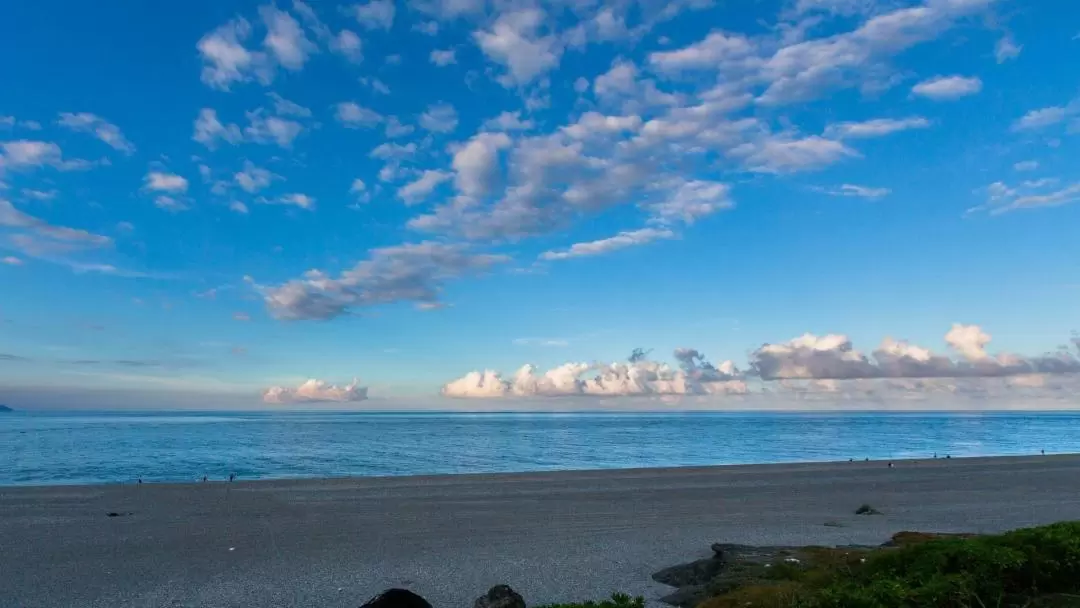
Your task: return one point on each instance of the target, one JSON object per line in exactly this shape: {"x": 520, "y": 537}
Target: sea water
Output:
{"x": 114, "y": 447}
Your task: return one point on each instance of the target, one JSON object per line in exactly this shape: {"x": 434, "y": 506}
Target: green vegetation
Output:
{"x": 1028, "y": 568}
{"x": 618, "y": 600}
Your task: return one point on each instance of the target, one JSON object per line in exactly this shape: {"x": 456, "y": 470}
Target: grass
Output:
{"x": 1029, "y": 568}
{"x": 618, "y": 600}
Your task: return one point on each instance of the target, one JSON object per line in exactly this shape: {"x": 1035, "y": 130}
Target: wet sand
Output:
{"x": 552, "y": 536}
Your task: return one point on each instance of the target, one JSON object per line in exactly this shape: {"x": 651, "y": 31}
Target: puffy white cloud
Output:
{"x": 1026, "y": 165}
{"x": 100, "y": 128}
{"x": 160, "y": 181}
{"x": 443, "y": 58}
{"x": 509, "y": 121}
{"x": 170, "y": 204}
{"x": 411, "y": 272}
{"x": 716, "y": 48}
{"x": 355, "y": 116}
{"x": 284, "y": 107}
{"x": 253, "y": 178}
{"x": 439, "y": 118}
{"x": 946, "y": 88}
{"x": 209, "y": 130}
{"x": 265, "y": 129}
{"x": 39, "y": 195}
{"x": 226, "y": 60}
{"x": 377, "y": 14}
{"x": 11, "y": 261}
{"x": 316, "y": 391}
{"x": 238, "y": 207}
{"x": 348, "y": 44}
{"x": 637, "y": 378}
{"x": 691, "y": 201}
{"x": 26, "y": 154}
{"x": 477, "y": 163}
{"x": 422, "y": 187}
{"x": 833, "y": 357}
{"x": 295, "y": 199}
{"x": 514, "y": 40}
{"x": 595, "y": 124}
{"x": 602, "y": 246}
{"x": 285, "y": 39}
{"x": 874, "y": 128}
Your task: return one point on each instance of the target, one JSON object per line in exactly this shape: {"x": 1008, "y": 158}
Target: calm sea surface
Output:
{"x": 102, "y": 447}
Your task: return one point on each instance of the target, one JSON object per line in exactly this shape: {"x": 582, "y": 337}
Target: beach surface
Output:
{"x": 551, "y": 536}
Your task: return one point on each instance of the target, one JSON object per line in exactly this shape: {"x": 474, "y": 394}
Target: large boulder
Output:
{"x": 397, "y": 598}
{"x": 500, "y": 596}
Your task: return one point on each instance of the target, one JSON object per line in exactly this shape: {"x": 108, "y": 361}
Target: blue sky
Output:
{"x": 219, "y": 198}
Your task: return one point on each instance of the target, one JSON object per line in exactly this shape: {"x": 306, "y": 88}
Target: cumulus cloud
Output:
{"x": 1030, "y": 194}
{"x": 874, "y": 128}
{"x": 227, "y": 61}
{"x": 514, "y": 40}
{"x": 85, "y": 122}
{"x": 264, "y": 129}
{"x": 419, "y": 189}
{"x": 439, "y": 118}
{"x": 833, "y": 357}
{"x": 355, "y": 116}
{"x": 1026, "y": 165}
{"x": 785, "y": 155}
{"x": 377, "y": 14}
{"x": 253, "y": 178}
{"x": 509, "y": 121}
{"x": 692, "y": 200}
{"x": 443, "y": 58}
{"x": 209, "y": 130}
{"x": 314, "y": 391}
{"x": 285, "y": 39}
{"x": 1006, "y": 49}
{"x": 161, "y": 181}
{"x": 26, "y": 154}
{"x": 1047, "y": 117}
{"x": 947, "y": 88}
{"x": 635, "y": 378}
{"x": 412, "y": 272}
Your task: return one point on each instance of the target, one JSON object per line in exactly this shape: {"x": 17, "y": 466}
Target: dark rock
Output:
{"x": 115, "y": 514}
{"x": 397, "y": 598}
{"x": 695, "y": 573}
{"x": 500, "y": 596}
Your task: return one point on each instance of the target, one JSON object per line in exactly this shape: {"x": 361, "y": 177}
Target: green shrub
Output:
{"x": 618, "y": 600}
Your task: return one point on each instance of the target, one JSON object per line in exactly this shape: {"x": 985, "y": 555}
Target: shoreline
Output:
{"x": 552, "y": 536}
{"x": 493, "y": 476}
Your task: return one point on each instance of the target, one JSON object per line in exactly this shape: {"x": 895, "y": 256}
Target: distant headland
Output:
{"x": 4, "y": 408}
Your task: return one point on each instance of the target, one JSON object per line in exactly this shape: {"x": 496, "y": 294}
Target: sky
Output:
{"x": 375, "y": 204}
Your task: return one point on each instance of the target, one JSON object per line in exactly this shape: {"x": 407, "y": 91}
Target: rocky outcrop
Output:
{"x": 500, "y": 596}
{"x": 396, "y": 598}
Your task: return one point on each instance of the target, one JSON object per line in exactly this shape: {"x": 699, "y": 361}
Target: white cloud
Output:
{"x": 395, "y": 128}
{"x": 1007, "y": 49}
{"x": 691, "y": 201}
{"x": 43, "y": 238}
{"x": 39, "y": 195}
{"x": 1046, "y": 117}
{"x": 170, "y": 204}
{"x": 419, "y": 189}
{"x": 856, "y": 190}
{"x": 411, "y": 272}
{"x": 947, "y": 88}
{"x": 316, "y": 391}
{"x": 603, "y": 246}
{"x": 377, "y": 14}
{"x": 515, "y": 42}
{"x": 440, "y": 118}
{"x": 833, "y": 357}
{"x": 295, "y": 199}
{"x": 355, "y": 116}
{"x": 783, "y": 155}
{"x": 376, "y": 85}
{"x": 636, "y": 378}
{"x": 1027, "y": 165}
{"x": 238, "y": 207}
{"x": 874, "y": 128}
{"x": 284, "y": 107}
{"x": 84, "y": 122}
{"x": 477, "y": 163}
{"x": 265, "y": 129}
{"x": 595, "y": 124}
{"x": 11, "y": 261}
{"x": 1030, "y": 194}
{"x": 285, "y": 39}
{"x": 227, "y": 61}
{"x": 160, "y": 181}
{"x": 209, "y": 130}
{"x": 716, "y": 48}
{"x": 443, "y": 58}
{"x": 253, "y": 178}
{"x": 26, "y": 154}
{"x": 348, "y": 44}
{"x": 509, "y": 121}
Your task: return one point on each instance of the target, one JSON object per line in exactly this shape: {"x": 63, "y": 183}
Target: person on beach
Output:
{"x": 204, "y": 478}
{"x": 231, "y": 477}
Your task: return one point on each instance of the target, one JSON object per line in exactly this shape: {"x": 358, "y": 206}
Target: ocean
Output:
{"x": 47, "y": 448}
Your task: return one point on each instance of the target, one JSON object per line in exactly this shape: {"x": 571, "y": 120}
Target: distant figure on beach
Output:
{"x": 232, "y": 476}
{"x": 204, "y": 478}
{"x": 935, "y": 454}
{"x": 866, "y": 459}
{"x": 1043, "y": 452}
{"x": 890, "y": 465}
{"x": 948, "y": 456}
{"x": 140, "y": 481}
